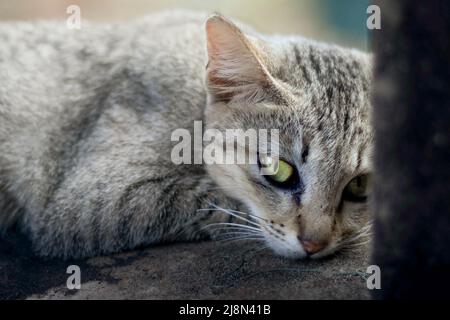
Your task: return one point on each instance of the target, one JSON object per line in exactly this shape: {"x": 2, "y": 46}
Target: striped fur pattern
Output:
{"x": 86, "y": 118}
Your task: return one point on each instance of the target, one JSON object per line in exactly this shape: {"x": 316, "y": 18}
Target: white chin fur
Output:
{"x": 289, "y": 247}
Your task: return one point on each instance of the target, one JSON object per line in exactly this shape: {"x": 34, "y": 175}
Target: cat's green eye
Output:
{"x": 357, "y": 189}
{"x": 280, "y": 174}
{"x": 284, "y": 172}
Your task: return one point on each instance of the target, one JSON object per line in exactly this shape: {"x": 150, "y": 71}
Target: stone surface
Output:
{"x": 205, "y": 270}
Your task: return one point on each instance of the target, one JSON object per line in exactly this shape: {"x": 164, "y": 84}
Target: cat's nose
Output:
{"x": 312, "y": 246}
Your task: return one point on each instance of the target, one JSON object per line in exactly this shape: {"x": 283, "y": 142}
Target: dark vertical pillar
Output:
{"x": 412, "y": 158}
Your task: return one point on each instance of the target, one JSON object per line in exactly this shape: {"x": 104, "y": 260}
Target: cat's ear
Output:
{"x": 235, "y": 69}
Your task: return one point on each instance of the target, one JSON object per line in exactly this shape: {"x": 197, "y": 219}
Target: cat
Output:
{"x": 86, "y": 118}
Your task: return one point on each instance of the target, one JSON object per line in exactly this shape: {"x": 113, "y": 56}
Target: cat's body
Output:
{"x": 86, "y": 118}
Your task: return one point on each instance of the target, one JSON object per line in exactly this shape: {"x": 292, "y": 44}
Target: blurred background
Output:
{"x": 342, "y": 22}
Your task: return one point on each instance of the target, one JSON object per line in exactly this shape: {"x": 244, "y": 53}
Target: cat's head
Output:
{"x": 318, "y": 97}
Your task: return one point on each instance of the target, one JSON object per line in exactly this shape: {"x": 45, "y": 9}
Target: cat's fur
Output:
{"x": 86, "y": 118}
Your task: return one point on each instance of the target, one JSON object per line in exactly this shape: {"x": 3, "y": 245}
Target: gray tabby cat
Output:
{"x": 86, "y": 118}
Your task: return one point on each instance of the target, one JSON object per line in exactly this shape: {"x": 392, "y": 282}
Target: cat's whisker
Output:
{"x": 243, "y": 226}
{"x": 361, "y": 238}
{"x": 239, "y": 232}
{"x": 249, "y": 214}
{"x": 231, "y": 214}
{"x": 357, "y": 237}
{"x": 261, "y": 248}
{"x": 237, "y": 235}
{"x": 227, "y": 210}
{"x": 233, "y": 229}
{"x": 359, "y": 244}
{"x": 225, "y": 229}
{"x": 242, "y": 239}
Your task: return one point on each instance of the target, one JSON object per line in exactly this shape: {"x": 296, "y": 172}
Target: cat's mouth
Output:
{"x": 290, "y": 246}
